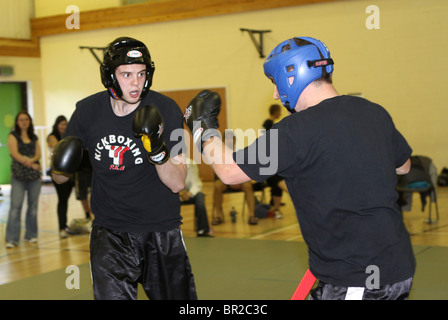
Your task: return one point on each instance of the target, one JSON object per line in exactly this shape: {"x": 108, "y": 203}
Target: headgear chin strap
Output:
{"x": 294, "y": 64}
{"x": 286, "y": 105}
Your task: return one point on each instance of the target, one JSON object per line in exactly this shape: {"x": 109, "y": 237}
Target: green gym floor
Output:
{"x": 236, "y": 269}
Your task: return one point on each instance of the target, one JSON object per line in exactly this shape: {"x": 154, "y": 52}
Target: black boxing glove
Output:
{"x": 67, "y": 156}
{"x": 148, "y": 124}
{"x": 201, "y": 116}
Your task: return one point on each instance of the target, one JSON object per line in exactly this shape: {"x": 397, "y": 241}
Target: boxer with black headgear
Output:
{"x": 124, "y": 51}
{"x": 135, "y": 235}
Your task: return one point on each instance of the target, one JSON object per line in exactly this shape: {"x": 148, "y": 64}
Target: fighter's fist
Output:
{"x": 201, "y": 116}
{"x": 148, "y": 124}
{"x": 67, "y": 156}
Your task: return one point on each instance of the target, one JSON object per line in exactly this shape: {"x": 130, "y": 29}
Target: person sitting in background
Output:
{"x": 278, "y": 186}
{"x": 220, "y": 188}
{"x": 276, "y": 182}
{"x": 192, "y": 194}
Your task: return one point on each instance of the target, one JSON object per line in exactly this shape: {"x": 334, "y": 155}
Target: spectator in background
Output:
{"x": 274, "y": 113}
{"x": 83, "y": 182}
{"x": 25, "y": 179}
{"x": 192, "y": 194}
{"x": 65, "y": 189}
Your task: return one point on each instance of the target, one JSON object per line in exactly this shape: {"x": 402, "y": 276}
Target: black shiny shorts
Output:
{"x": 157, "y": 260}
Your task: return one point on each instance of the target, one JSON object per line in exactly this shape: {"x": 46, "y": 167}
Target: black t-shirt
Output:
{"x": 339, "y": 159}
{"x": 18, "y": 170}
{"x": 127, "y": 194}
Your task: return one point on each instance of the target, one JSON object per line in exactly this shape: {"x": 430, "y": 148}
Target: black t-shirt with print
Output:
{"x": 127, "y": 194}
{"x": 339, "y": 159}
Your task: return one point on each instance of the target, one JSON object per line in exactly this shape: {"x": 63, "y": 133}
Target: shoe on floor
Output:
{"x": 278, "y": 214}
{"x": 253, "y": 221}
{"x": 63, "y": 234}
{"x": 204, "y": 234}
{"x": 217, "y": 220}
{"x": 10, "y": 245}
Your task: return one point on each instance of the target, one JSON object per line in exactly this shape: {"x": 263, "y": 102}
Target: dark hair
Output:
{"x": 274, "y": 108}
{"x": 54, "y": 130}
{"x": 326, "y": 78}
{"x": 30, "y": 130}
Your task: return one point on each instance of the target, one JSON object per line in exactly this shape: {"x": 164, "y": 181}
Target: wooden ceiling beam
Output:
{"x": 19, "y": 48}
{"x": 136, "y": 15}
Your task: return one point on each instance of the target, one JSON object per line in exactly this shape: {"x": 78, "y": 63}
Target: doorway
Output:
{"x": 13, "y": 98}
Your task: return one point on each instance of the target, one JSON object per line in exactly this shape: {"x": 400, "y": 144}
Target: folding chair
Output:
{"x": 419, "y": 180}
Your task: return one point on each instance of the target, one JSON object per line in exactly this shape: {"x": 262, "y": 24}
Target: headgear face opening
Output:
{"x": 294, "y": 64}
{"x": 125, "y": 50}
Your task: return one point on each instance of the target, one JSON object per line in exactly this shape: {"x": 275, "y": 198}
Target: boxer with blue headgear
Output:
{"x": 294, "y": 64}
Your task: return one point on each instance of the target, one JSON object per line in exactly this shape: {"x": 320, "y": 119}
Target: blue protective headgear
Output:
{"x": 305, "y": 59}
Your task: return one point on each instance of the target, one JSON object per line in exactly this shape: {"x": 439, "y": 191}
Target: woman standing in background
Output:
{"x": 25, "y": 178}
{"x": 65, "y": 189}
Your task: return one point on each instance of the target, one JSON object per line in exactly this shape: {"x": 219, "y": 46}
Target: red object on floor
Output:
{"x": 304, "y": 286}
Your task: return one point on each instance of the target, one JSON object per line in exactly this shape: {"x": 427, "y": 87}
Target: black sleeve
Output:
{"x": 76, "y": 125}
{"x": 266, "y": 156}
{"x": 402, "y": 150}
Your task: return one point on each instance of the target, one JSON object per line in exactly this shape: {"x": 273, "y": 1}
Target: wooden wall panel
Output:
{"x": 183, "y": 98}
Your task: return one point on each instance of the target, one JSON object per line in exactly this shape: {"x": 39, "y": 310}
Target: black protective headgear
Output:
{"x": 121, "y": 51}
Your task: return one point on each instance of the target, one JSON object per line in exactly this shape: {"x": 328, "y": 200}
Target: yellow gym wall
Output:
{"x": 28, "y": 70}
{"x": 400, "y": 65}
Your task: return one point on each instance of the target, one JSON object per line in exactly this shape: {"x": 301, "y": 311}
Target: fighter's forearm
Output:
{"x": 219, "y": 156}
{"x": 173, "y": 173}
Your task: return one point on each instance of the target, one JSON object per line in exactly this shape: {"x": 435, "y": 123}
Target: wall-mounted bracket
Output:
{"x": 258, "y": 44}
{"x": 91, "y": 49}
